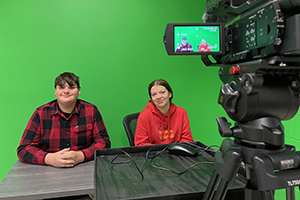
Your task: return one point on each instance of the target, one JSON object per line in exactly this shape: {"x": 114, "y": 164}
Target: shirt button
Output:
{"x": 67, "y": 133}
{"x": 68, "y": 145}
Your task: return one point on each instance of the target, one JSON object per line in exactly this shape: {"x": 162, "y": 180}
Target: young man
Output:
{"x": 65, "y": 131}
{"x": 184, "y": 46}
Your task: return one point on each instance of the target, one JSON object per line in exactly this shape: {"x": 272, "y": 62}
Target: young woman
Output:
{"x": 162, "y": 121}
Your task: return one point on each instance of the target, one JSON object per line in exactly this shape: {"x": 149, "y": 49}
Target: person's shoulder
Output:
{"x": 84, "y": 105}
{"x": 145, "y": 111}
{"x": 46, "y": 109}
{"x": 48, "y": 106}
{"x": 179, "y": 109}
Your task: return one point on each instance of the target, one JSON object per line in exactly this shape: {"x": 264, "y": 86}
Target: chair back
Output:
{"x": 129, "y": 123}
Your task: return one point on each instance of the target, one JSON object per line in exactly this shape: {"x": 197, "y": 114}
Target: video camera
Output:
{"x": 262, "y": 39}
{"x": 256, "y": 44}
{"x": 265, "y": 28}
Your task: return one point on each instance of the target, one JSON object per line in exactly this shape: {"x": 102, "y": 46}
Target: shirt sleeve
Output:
{"x": 141, "y": 137}
{"x": 100, "y": 137}
{"x": 186, "y": 130}
{"x": 28, "y": 150}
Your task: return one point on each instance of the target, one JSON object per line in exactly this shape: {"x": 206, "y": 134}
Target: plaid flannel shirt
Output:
{"x": 48, "y": 130}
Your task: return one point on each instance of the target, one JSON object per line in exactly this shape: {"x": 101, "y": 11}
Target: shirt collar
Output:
{"x": 56, "y": 110}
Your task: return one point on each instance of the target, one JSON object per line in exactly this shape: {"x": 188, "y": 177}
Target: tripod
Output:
{"x": 256, "y": 102}
{"x": 267, "y": 169}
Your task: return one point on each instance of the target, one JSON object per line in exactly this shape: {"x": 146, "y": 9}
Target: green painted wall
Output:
{"x": 116, "y": 49}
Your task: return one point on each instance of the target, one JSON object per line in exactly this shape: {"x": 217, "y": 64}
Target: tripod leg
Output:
{"x": 268, "y": 195}
{"x": 211, "y": 186}
{"x": 251, "y": 194}
{"x": 222, "y": 190}
{"x": 226, "y": 164}
{"x": 290, "y": 194}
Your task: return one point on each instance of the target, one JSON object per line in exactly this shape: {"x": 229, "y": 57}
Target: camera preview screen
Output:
{"x": 196, "y": 39}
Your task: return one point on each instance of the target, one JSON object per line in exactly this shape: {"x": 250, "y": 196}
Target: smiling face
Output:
{"x": 160, "y": 97}
{"x": 67, "y": 95}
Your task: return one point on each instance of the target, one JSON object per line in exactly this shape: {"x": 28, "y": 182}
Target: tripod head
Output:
{"x": 253, "y": 94}
{"x": 257, "y": 95}
{"x": 247, "y": 96}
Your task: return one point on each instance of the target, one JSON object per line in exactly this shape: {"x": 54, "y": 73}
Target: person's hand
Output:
{"x": 77, "y": 156}
{"x": 64, "y": 158}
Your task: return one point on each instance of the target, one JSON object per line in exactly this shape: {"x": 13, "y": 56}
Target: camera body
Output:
{"x": 264, "y": 29}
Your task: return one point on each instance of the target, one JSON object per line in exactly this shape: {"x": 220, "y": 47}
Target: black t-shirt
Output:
{"x": 67, "y": 115}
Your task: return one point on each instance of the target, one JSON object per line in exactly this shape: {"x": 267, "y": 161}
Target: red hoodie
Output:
{"x": 155, "y": 128}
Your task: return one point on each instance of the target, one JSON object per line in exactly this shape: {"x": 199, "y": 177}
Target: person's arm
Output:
{"x": 191, "y": 48}
{"x": 186, "y": 130}
{"x": 208, "y": 48}
{"x": 141, "y": 137}
{"x": 100, "y": 137}
{"x": 28, "y": 150}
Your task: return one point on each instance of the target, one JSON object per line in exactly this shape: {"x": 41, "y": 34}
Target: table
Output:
{"x": 121, "y": 179}
{"x": 27, "y": 181}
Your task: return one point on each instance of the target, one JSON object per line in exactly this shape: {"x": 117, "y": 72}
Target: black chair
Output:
{"x": 129, "y": 123}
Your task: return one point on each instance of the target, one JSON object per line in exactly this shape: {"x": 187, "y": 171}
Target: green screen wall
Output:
{"x": 116, "y": 48}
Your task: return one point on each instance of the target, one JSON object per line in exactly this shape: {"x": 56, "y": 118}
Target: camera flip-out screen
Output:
{"x": 194, "y": 39}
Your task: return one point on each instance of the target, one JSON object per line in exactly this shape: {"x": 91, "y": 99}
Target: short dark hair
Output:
{"x": 161, "y": 82}
{"x": 67, "y": 77}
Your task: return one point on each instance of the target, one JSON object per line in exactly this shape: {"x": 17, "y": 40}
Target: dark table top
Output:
{"x": 122, "y": 180}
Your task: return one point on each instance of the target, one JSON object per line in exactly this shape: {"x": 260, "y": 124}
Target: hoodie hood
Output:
{"x": 157, "y": 112}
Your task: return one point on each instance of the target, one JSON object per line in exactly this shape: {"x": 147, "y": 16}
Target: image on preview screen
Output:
{"x": 196, "y": 39}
